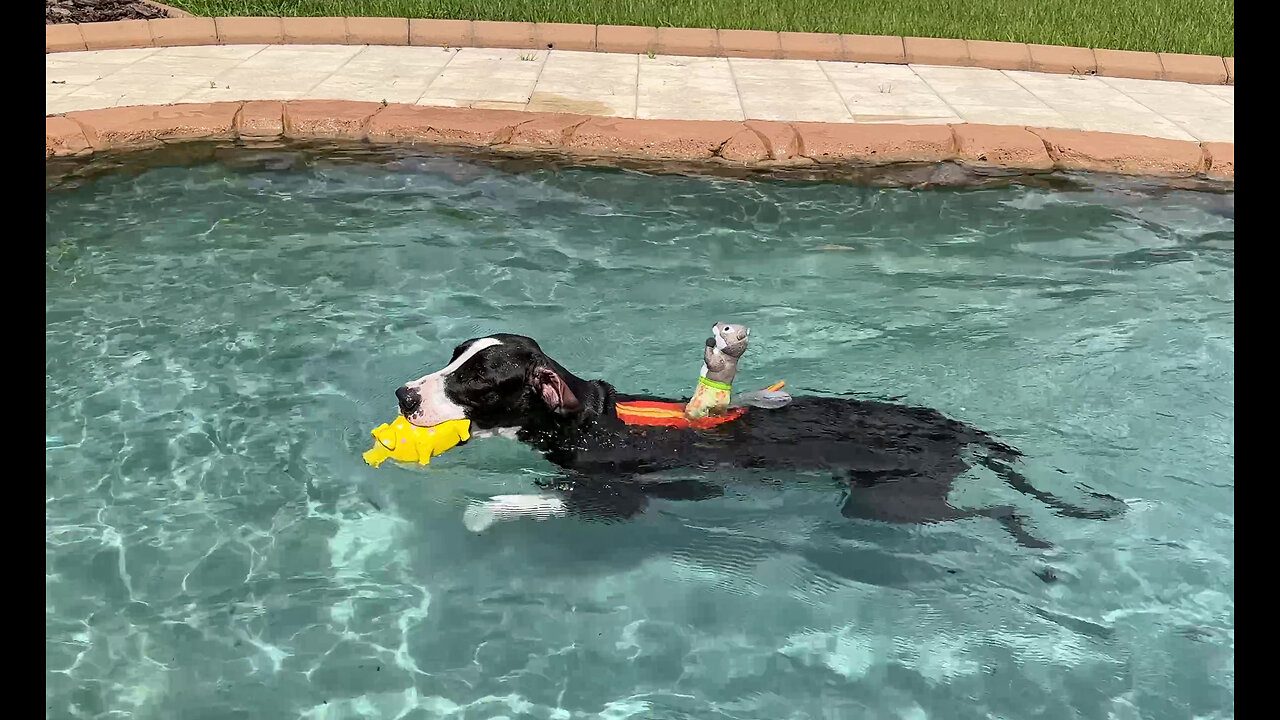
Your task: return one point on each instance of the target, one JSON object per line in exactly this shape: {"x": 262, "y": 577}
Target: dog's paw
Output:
{"x": 480, "y": 516}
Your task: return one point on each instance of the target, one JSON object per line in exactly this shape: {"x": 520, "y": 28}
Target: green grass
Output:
{"x": 1204, "y": 27}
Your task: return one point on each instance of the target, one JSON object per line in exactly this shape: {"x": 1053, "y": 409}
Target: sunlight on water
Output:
{"x": 219, "y": 343}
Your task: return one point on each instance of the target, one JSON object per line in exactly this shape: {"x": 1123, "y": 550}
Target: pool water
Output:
{"x": 221, "y": 339}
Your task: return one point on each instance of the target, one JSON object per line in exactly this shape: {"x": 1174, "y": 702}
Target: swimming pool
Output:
{"x": 220, "y": 339}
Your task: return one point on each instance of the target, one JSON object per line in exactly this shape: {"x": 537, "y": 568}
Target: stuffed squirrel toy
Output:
{"x": 719, "y": 366}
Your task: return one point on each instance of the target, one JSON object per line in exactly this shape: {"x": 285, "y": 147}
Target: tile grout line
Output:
{"x": 1164, "y": 117}
{"x": 937, "y": 94}
{"x": 733, "y": 77}
{"x": 117, "y": 71}
{"x": 1086, "y": 126}
{"x": 336, "y": 70}
{"x": 1033, "y": 94}
{"x": 1187, "y": 130}
{"x": 636, "y": 106}
{"x": 218, "y": 76}
{"x": 537, "y": 78}
{"x": 435, "y": 77}
{"x": 1044, "y": 105}
{"x": 836, "y": 87}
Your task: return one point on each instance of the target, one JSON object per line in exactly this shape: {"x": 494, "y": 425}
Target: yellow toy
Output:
{"x": 402, "y": 440}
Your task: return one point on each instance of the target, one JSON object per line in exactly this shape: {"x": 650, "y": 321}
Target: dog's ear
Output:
{"x": 554, "y": 391}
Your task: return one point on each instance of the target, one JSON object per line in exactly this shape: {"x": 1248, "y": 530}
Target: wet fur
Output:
{"x": 897, "y": 462}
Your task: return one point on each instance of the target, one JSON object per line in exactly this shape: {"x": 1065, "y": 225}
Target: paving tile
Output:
{"x": 1076, "y": 92}
{"x": 279, "y": 72}
{"x": 1037, "y": 117}
{"x": 625, "y": 85}
{"x": 886, "y": 91}
{"x": 119, "y": 94}
{"x": 787, "y": 89}
{"x": 77, "y": 73}
{"x": 1135, "y": 85}
{"x": 1221, "y": 128}
{"x": 240, "y": 52}
{"x": 486, "y": 74}
{"x": 1222, "y": 92}
{"x": 940, "y": 119}
{"x": 244, "y": 90}
{"x": 106, "y": 57}
{"x": 1173, "y": 97}
{"x": 68, "y": 103}
{"x": 397, "y": 74}
{"x": 51, "y": 94}
{"x": 178, "y": 66}
{"x": 687, "y": 88}
{"x": 1151, "y": 125}
{"x": 875, "y": 78}
{"x": 587, "y": 83}
{"x": 1201, "y": 104}
{"x": 976, "y": 86}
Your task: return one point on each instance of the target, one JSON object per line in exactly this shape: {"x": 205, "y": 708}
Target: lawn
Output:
{"x": 1187, "y": 26}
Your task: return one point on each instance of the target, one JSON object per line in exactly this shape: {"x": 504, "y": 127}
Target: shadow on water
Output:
{"x": 68, "y": 172}
{"x": 760, "y": 519}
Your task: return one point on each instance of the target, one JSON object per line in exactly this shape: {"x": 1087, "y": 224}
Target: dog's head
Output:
{"x": 499, "y": 381}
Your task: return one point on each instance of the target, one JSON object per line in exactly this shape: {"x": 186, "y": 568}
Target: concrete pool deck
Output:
{"x": 745, "y": 110}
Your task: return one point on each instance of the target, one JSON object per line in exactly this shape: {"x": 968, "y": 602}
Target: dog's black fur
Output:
{"x": 897, "y": 462}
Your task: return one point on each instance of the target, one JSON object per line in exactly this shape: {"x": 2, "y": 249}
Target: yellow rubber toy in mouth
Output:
{"x": 403, "y": 441}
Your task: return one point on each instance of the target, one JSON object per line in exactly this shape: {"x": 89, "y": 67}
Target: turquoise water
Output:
{"x": 220, "y": 341}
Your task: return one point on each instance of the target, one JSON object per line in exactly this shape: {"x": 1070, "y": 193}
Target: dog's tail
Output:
{"x": 999, "y": 458}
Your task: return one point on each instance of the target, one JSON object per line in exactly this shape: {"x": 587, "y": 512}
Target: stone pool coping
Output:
{"x": 820, "y": 148}
{"x": 697, "y": 42}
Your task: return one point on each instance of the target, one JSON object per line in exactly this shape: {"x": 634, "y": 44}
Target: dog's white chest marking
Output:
{"x": 508, "y": 433}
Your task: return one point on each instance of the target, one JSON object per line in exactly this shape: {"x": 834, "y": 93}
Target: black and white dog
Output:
{"x": 897, "y": 462}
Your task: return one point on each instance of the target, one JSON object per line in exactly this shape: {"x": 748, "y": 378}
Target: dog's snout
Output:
{"x": 409, "y": 398}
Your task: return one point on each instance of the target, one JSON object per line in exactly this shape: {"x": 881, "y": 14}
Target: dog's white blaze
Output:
{"x": 436, "y": 406}
{"x": 467, "y": 354}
